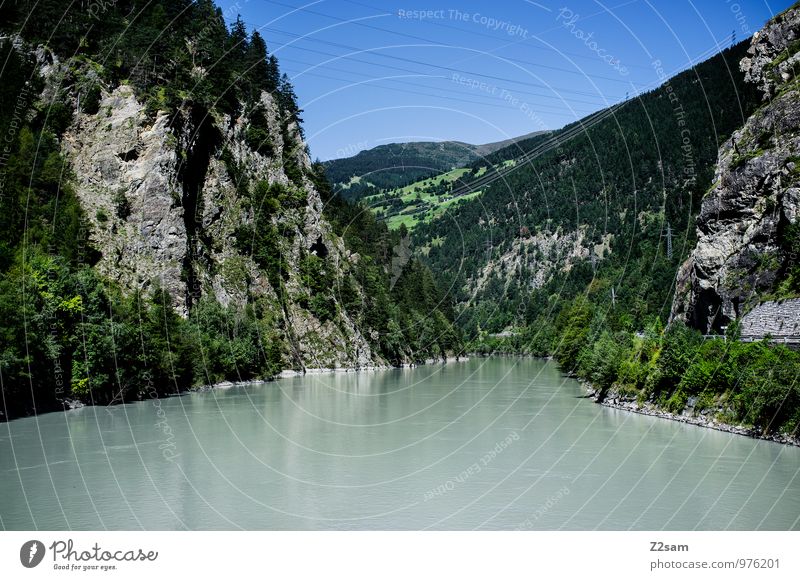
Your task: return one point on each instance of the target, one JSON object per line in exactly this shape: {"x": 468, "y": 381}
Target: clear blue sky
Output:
{"x": 368, "y": 73}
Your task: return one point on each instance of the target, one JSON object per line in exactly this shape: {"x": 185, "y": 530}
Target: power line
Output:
{"x": 407, "y": 70}
{"x": 426, "y": 40}
{"x": 533, "y": 46}
{"x": 562, "y": 136}
{"x": 416, "y": 74}
{"x": 473, "y": 33}
{"x": 451, "y": 98}
{"x": 553, "y": 142}
{"x": 686, "y": 65}
{"x": 559, "y": 90}
{"x": 581, "y": 125}
{"x": 418, "y": 62}
{"x": 403, "y": 90}
{"x": 548, "y": 145}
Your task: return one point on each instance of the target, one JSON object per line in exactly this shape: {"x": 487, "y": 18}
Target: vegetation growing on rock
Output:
{"x": 163, "y": 226}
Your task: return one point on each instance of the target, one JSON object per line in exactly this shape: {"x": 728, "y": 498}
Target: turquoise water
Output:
{"x": 499, "y": 443}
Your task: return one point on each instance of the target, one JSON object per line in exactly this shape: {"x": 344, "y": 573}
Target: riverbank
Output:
{"x": 73, "y": 404}
{"x": 337, "y": 432}
{"x": 706, "y": 419}
{"x": 290, "y": 373}
{"x": 627, "y": 403}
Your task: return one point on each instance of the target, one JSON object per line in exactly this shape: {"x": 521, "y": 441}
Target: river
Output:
{"x": 497, "y": 443}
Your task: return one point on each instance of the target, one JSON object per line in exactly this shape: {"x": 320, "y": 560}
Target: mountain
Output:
{"x": 748, "y": 235}
{"x": 429, "y": 198}
{"x": 698, "y": 177}
{"x": 397, "y": 165}
{"x": 587, "y": 209}
{"x": 162, "y": 225}
{"x": 739, "y": 286}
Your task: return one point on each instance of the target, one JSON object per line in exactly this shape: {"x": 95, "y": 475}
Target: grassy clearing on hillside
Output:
{"x": 420, "y": 201}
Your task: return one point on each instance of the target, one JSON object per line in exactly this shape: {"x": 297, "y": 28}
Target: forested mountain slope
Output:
{"x": 162, "y": 225}
{"x": 746, "y": 254}
{"x": 603, "y": 300}
{"x": 587, "y": 209}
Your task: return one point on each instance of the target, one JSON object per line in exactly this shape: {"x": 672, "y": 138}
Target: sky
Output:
{"x": 370, "y": 73}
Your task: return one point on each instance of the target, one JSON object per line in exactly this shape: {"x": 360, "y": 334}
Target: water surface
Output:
{"x": 501, "y": 443}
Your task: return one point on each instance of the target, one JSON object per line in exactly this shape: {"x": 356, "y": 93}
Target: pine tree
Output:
{"x": 288, "y": 99}
{"x": 257, "y": 66}
{"x": 273, "y": 75}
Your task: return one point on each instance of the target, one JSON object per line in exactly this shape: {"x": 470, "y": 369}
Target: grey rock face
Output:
{"x": 773, "y": 53}
{"x": 123, "y": 164}
{"x": 755, "y": 197}
{"x": 163, "y": 207}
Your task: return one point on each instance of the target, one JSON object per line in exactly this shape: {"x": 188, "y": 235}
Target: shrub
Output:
{"x": 677, "y": 402}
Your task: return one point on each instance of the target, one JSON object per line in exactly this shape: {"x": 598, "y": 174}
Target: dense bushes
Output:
{"x": 755, "y": 384}
{"x": 235, "y": 343}
{"x": 316, "y": 276}
{"x": 752, "y": 383}
{"x": 69, "y": 335}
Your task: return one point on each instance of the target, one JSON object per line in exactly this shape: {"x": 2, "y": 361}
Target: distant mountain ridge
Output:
{"x": 396, "y": 165}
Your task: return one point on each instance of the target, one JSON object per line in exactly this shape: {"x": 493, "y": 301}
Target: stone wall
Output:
{"x": 776, "y": 318}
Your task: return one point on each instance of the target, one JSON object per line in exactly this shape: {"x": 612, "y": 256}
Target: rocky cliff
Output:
{"x": 167, "y": 196}
{"x": 747, "y": 244}
{"x": 163, "y": 227}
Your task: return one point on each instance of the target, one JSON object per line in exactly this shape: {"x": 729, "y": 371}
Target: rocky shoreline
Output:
{"x": 289, "y": 373}
{"x": 626, "y": 403}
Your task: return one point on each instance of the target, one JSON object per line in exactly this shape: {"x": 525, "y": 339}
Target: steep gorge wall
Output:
{"x": 164, "y": 206}
{"x": 745, "y": 248}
